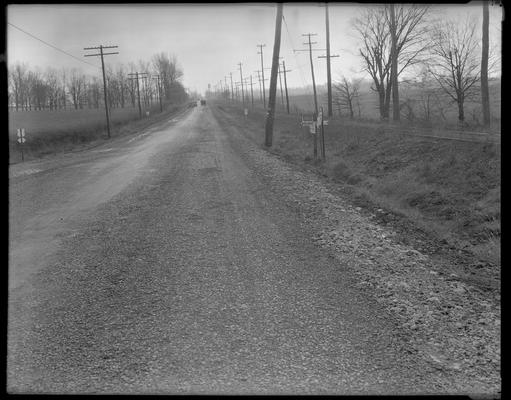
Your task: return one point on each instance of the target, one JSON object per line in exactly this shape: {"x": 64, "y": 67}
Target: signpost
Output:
{"x": 21, "y": 140}
{"x": 314, "y": 125}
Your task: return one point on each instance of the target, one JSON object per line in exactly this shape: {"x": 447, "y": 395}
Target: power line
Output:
{"x": 54, "y": 47}
{"x": 262, "y": 72}
{"x": 109, "y": 74}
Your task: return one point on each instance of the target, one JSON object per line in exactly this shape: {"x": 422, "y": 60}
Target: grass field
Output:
{"x": 450, "y": 189}
{"x": 51, "y": 131}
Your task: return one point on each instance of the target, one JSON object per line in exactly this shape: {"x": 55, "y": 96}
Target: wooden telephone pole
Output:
{"x": 283, "y": 71}
{"x": 312, "y": 70}
{"x": 310, "y": 50}
{"x": 102, "y": 54}
{"x": 261, "y": 82}
{"x": 328, "y": 63}
{"x": 280, "y": 86}
{"x": 262, "y": 72}
{"x": 251, "y": 89}
{"x": 241, "y": 80}
{"x": 270, "y": 116}
{"x": 232, "y": 87}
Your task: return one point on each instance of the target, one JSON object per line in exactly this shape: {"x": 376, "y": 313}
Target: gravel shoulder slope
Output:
{"x": 453, "y": 325}
{"x": 202, "y": 276}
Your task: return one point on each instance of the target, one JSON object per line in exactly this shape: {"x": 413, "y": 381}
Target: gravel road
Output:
{"x": 165, "y": 263}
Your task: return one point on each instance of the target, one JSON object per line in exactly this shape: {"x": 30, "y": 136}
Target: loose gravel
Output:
{"x": 453, "y": 325}
{"x": 223, "y": 269}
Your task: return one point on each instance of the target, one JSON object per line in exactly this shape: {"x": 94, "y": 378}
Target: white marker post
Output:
{"x": 21, "y": 140}
{"x": 246, "y": 112}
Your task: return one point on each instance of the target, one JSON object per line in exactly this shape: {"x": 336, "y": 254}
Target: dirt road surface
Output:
{"x": 165, "y": 263}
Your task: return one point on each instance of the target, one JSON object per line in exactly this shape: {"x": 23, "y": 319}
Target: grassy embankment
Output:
{"x": 449, "y": 189}
{"x": 48, "y": 132}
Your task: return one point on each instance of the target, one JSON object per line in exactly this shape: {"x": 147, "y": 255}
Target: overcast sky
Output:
{"x": 208, "y": 40}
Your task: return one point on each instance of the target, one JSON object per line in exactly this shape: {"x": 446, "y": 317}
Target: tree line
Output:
{"x": 58, "y": 89}
{"x": 450, "y": 58}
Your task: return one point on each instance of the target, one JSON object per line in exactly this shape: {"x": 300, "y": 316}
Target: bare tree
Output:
{"x": 169, "y": 70}
{"x": 29, "y": 89}
{"x": 425, "y": 88}
{"x": 375, "y": 36}
{"x": 38, "y": 91}
{"x": 52, "y": 82}
{"x": 374, "y": 28}
{"x": 145, "y": 81}
{"x": 132, "y": 86}
{"x": 18, "y": 82}
{"x": 346, "y": 94}
{"x": 62, "y": 91}
{"x": 336, "y": 101}
{"x": 456, "y": 65}
{"x": 76, "y": 88}
{"x": 112, "y": 87}
{"x": 95, "y": 87}
{"x": 121, "y": 77}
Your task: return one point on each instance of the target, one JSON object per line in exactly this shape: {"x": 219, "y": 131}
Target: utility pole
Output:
{"x": 328, "y": 63}
{"x": 285, "y": 83}
{"x": 309, "y": 43}
{"x": 251, "y": 89}
{"x": 280, "y": 85}
{"x": 270, "y": 116}
{"x": 393, "y": 65}
{"x": 232, "y": 87}
{"x": 262, "y": 71}
{"x": 241, "y": 80}
{"x": 329, "y": 81}
{"x": 260, "y": 86}
{"x": 312, "y": 70}
{"x": 157, "y": 77}
{"x": 237, "y": 90}
{"x": 137, "y": 76}
{"x": 102, "y": 54}
{"x": 227, "y": 87}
